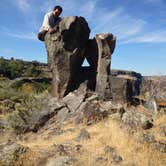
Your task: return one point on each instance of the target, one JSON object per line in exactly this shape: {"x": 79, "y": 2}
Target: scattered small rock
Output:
{"x": 78, "y": 147}
{"x": 60, "y": 161}
{"x": 11, "y": 152}
{"x": 163, "y": 130}
{"x": 92, "y": 112}
{"x": 109, "y": 149}
{"x": 115, "y": 156}
{"x": 84, "y": 135}
{"x": 60, "y": 150}
{"x": 136, "y": 119}
{"x": 79, "y": 119}
{"x": 147, "y": 125}
{"x": 161, "y": 146}
{"x": 149, "y": 138}
{"x": 101, "y": 159}
{"x": 117, "y": 113}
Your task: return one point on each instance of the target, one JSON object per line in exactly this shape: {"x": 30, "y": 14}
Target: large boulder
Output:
{"x": 137, "y": 118}
{"x": 121, "y": 89}
{"x": 124, "y": 88}
{"x": 125, "y": 85}
{"x": 65, "y": 50}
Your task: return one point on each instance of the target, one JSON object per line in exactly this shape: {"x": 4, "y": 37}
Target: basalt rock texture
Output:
{"x": 98, "y": 54}
{"x": 125, "y": 85}
{"x": 65, "y": 50}
{"x": 122, "y": 90}
{"x": 68, "y": 47}
{"x": 106, "y": 45}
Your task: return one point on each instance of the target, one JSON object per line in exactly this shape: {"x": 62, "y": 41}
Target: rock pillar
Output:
{"x": 106, "y": 44}
{"x": 65, "y": 50}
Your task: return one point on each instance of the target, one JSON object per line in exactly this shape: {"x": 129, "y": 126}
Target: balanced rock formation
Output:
{"x": 68, "y": 47}
{"x": 65, "y": 50}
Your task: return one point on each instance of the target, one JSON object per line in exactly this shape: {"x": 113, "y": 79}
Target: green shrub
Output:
{"x": 34, "y": 86}
{"x": 11, "y": 69}
{"x": 17, "y": 68}
{"x": 18, "y": 121}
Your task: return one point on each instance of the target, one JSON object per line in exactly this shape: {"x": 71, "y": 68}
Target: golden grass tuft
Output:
{"x": 105, "y": 133}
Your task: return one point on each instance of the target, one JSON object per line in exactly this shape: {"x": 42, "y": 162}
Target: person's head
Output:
{"x": 57, "y": 10}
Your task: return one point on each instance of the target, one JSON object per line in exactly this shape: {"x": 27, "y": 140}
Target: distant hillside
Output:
{"x": 15, "y": 68}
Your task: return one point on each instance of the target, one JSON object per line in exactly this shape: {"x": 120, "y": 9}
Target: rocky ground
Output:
{"x": 79, "y": 129}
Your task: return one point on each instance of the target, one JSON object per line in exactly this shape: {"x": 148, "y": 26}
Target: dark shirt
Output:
{"x": 53, "y": 21}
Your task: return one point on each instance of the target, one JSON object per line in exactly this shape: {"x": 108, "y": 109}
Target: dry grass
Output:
{"x": 104, "y": 133}
{"x": 159, "y": 122}
{"x": 45, "y": 140}
{"x": 110, "y": 133}
{"x": 161, "y": 119}
{"x": 29, "y": 159}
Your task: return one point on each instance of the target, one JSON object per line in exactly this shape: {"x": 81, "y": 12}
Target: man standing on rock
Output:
{"x": 50, "y": 22}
